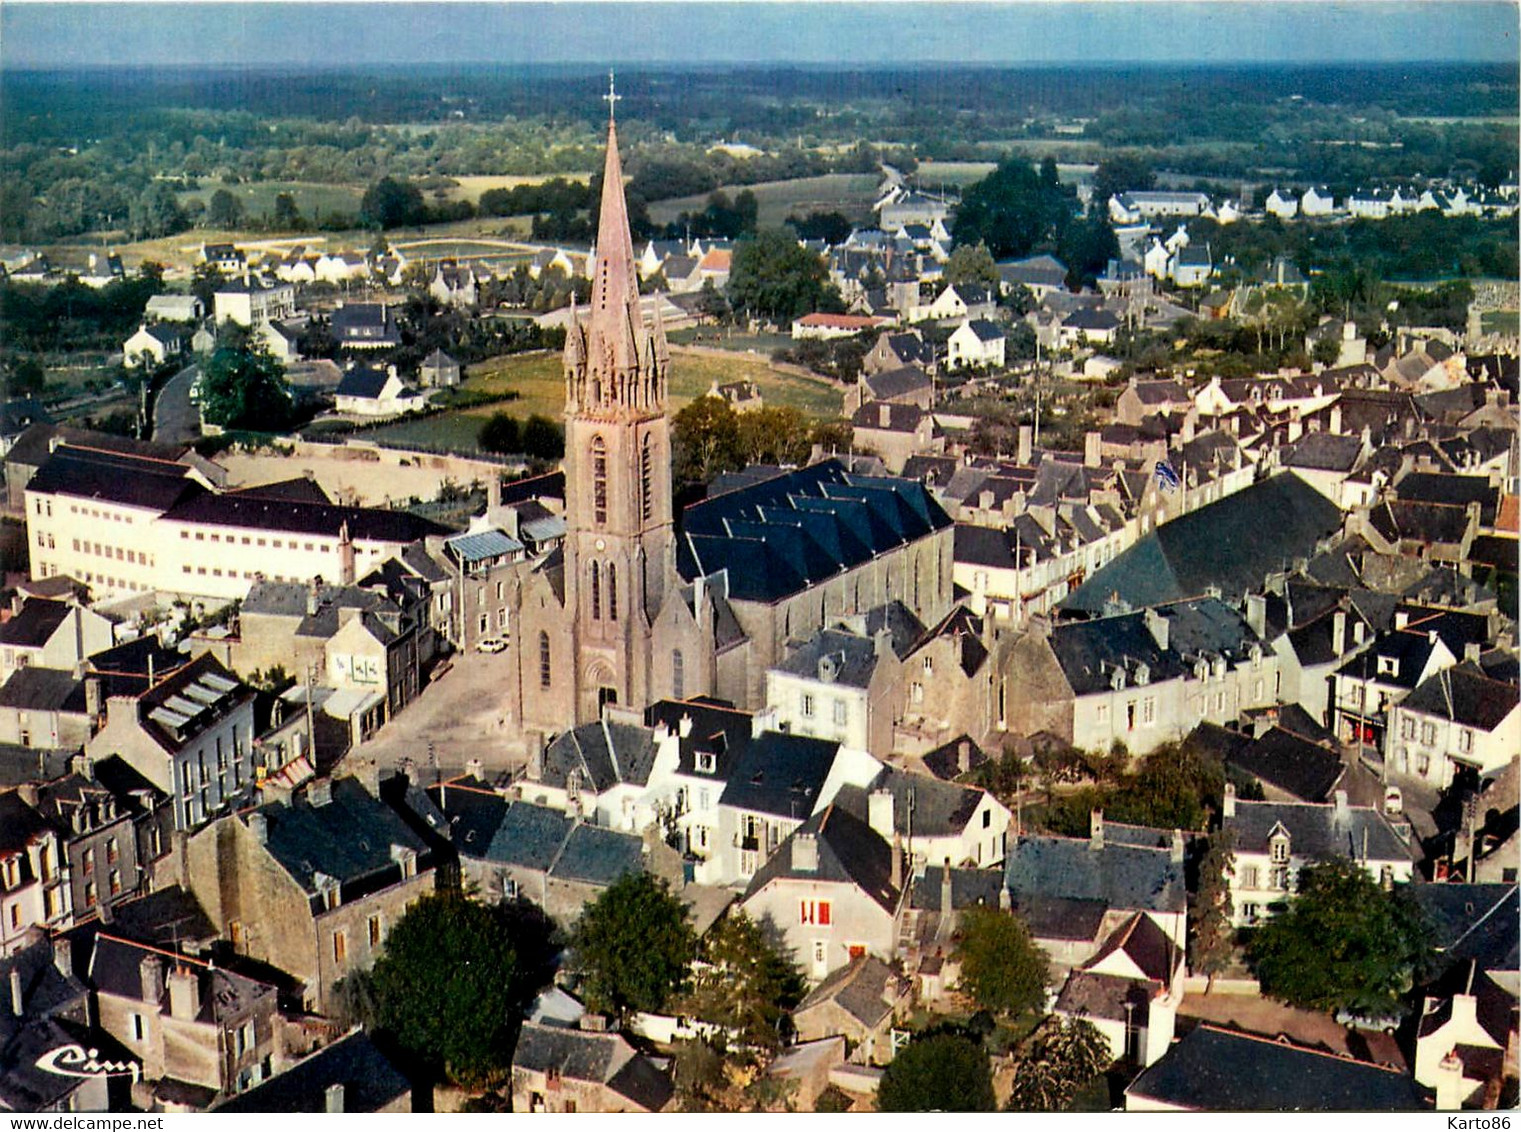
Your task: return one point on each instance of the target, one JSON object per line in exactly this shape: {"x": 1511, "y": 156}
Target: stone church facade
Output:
{"x": 621, "y": 615}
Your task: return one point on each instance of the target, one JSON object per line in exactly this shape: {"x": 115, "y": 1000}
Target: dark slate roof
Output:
{"x": 113, "y": 477}
{"x": 863, "y": 989}
{"x": 363, "y": 381}
{"x": 1317, "y": 831}
{"x": 1217, "y": 1070}
{"x": 1492, "y": 941}
{"x": 1118, "y": 876}
{"x": 1219, "y": 544}
{"x": 834, "y": 656}
{"x": 984, "y": 330}
{"x": 1147, "y": 946}
{"x": 45, "y": 991}
{"x": 19, "y": 823}
{"x": 33, "y": 688}
{"x": 300, "y": 489}
{"x": 35, "y": 625}
{"x": 349, "y": 838}
{"x": 370, "y": 1082}
{"x": 784, "y": 534}
{"x": 1397, "y": 519}
{"x": 1455, "y": 911}
{"x": 1039, "y": 270}
{"x": 716, "y": 729}
{"x": 529, "y": 836}
{"x": 593, "y": 855}
{"x": 604, "y": 1059}
{"x": 116, "y": 969}
{"x": 1060, "y": 917}
{"x": 602, "y": 754}
{"x": 849, "y": 852}
{"x": 474, "y": 812}
{"x": 23, "y": 1086}
{"x": 1466, "y": 696}
{"x": 1458, "y": 491}
{"x": 295, "y": 517}
{"x": 1089, "y": 318}
{"x": 1323, "y": 451}
{"x": 1087, "y": 994}
{"x": 905, "y": 379}
{"x": 780, "y": 774}
{"x": 900, "y": 417}
{"x": 1305, "y": 769}
{"x": 1089, "y": 652}
{"x": 164, "y": 918}
{"x": 1409, "y": 650}
{"x": 969, "y": 887}
{"x": 945, "y": 761}
{"x": 939, "y": 809}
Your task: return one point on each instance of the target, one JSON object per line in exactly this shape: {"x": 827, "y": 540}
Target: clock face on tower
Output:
{"x": 601, "y": 544}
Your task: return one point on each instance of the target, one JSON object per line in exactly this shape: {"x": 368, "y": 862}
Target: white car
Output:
{"x": 491, "y": 644}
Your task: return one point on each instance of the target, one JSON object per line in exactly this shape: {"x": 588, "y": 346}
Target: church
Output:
{"x": 629, "y": 609}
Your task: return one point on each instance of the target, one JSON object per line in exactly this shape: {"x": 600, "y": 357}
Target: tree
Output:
{"x": 243, "y": 386}
{"x": 773, "y": 434}
{"x": 1061, "y": 1057}
{"x": 501, "y": 433}
{"x": 1121, "y": 174}
{"x": 1012, "y": 210}
{"x": 390, "y": 203}
{"x": 156, "y": 213}
{"x": 1211, "y": 940}
{"x": 972, "y": 263}
{"x": 705, "y": 437}
{"x": 1086, "y": 247}
{"x": 286, "y": 214}
{"x": 27, "y": 376}
{"x": 1326, "y": 351}
{"x": 445, "y": 988}
{"x": 831, "y": 227}
{"x": 773, "y": 276}
{"x": 1343, "y": 943}
{"x": 743, "y": 983}
{"x": 1001, "y": 966}
{"x": 224, "y": 211}
{"x": 633, "y": 946}
{"x": 938, "y": 1072}
{"x": 542, "y": 438}
{"x": 711, "y": 303}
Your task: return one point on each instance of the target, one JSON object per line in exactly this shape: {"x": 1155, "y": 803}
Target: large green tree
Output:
{"x": 774, "y": 277}
{"x": 633, "y": 946}
{"x": 225, "y": 210}
{"x": 1001, "y": 966}
{"x": 445, "y": 988}
{"x": 1013, "y": 210}
{"x": 1060, "y": 1058}
{"x": 1342, "y": 943}
{"x": 972, "y": 263}
{"x": 705, "y": 439}
{"x": 1211, "y": 939}
{"x": 743, "y": 983}
{"x": 390, "y": 203}
{"x": 156, "y": 212}
{"x": 939, "y": 1072}
{"x": 243, "y": 386}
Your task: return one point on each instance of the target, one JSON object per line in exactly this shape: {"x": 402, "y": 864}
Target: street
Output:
{"x": 175, "y": 419}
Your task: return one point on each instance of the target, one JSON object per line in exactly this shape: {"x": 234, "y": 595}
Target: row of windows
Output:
{"x": 249, "y": 540}
{"x": 92, "y": 512}
{"x": 1429, "y": 734}
{"x": 113, "y": 583}
{"x": 131, "y": 557}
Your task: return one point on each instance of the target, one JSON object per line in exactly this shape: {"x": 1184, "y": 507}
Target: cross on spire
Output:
{"x": 612, "y": 97}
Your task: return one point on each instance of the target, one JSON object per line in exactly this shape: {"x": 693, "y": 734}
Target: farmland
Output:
{"x": 850, "y": 193}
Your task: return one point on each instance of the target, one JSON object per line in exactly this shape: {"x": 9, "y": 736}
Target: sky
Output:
{"x": 44, "y": 33}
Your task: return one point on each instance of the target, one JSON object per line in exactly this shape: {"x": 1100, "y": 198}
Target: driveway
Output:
{"x": 175, "y": 419}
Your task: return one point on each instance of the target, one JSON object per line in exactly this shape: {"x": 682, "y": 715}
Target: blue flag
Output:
{"x": 1167, "y": 478}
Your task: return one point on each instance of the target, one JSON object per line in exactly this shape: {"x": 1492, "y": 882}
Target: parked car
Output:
{"x": 491, "y": 644}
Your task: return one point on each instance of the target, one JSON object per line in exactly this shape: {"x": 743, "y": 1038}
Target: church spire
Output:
{"x": 615, "y": 284}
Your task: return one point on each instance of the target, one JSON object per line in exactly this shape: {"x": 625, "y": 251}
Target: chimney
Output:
{"x": 18, "y": 1004}
{"x": 896, "y": 879}
{"x": 1026, "y": 444}
{"x": 332, "y": 1098}
{"x": 63, "y": 952}
{"x": 312, "y": 589}
{"x": 1339, "y": 632}
{"x": 1449, "y": 1083}
{"x": 879, "y": 811}
{"x": 1095, "y": 829}
{"x": 319, "y": 793}
{"x": 184, "y": 994}
{"x": 1158, "y": 627}
{"x": 150, "y": 973}
{"x": 476, "y": 769}
{"x": 1340, "y": 802}
{"x": 93, "y": 705}
{"x": 963, "y": 756}
{"x": 1177, "y": 847}
{"x": 1472, "y": 650}
{"x": 1092, "y": 449}
{"x": 493, "y": 495}
{"x": 884, "y": 416}
{"x": 1005, "y": 901}
{"x": 258, "y": 825}
{"x": 1335, "y": 424}
{"x": 1229, "y": 806}
{"x": 945, "y": 888}
{"x": 805, "y": 853}
{"x": 1161, "y": 1022}
{"x": 1256, "y": 614}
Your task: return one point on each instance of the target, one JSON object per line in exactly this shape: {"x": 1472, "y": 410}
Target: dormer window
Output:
{"x": 1278, "y": 850}
{"x": 407, "y": 858}
{"x": 707, "y": 762}
{"x": 1388, "y": 666}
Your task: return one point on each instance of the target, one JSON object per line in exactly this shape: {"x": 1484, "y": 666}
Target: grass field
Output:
{"x": 313, "y": 200}
{"x": 1501, "y": 322}
{"x": 850, "y": 193}
{"x": 471, "y": 187}
{"x": 539, "y": 381}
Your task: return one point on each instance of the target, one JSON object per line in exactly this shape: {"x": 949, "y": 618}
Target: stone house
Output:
{"x": 557, "y": 1069}
{"x": 896, "y": 432}
{"x": 1456, "y": 719}
{"x": 860, "y": 1002}
{"x": 1130, "y": 990}
{"x": 98, "y": 840}
{"x": 51, "y": 634}
{"x": 34, "y": 887}
{"x": 350, "y": 1075}
{"x": 152, "y": 345}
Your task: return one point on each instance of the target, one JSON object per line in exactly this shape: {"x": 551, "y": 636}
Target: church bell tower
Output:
{"x": 619, "y": 552}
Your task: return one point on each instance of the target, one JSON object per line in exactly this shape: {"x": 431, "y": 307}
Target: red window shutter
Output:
{"x": 824, "y": 912}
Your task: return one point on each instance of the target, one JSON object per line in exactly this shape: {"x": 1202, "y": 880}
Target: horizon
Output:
{"x": 884, "y": 34}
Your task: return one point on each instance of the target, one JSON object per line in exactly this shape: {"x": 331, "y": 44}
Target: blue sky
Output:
{"x": 34, "y": 34}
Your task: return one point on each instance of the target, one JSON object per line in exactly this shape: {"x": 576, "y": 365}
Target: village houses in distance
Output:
{"x": 1145, "y": 698}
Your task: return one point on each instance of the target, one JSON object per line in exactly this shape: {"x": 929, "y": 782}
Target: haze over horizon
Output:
{"x": 59, "y": 35}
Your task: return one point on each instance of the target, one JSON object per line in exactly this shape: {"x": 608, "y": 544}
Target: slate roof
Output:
{"x": 1464, "y": 695}
{"x": 1089, "y": 652}
{"x": 1323, "y": 451}
{"x": 1089, "y": 994}
{"x": 1060, "y": 917}
{"x": 984, "y": 330}
{"x": 363, "y": 381}
{"x": 1409, "y": 650}
{"x": 23, "y": 1086}
{"x": 905, "y": 379}
{"x": 969, "y": 887}
{"x": 849, "y": 852}
{"x": 944, "y": 761}
{"x": 474, "y": 813}
{"x": 529, "y": 836}
{"x": 1089, "y": 318}
{"x": 1279, "y": 758}
{"x": 900, "y": 417}
{"x": 716, "y": 729}
{"x": 35, "y": 625}
{"x": 940, "y": 809}
{"x": 370, "y": 1082}
{"x": 1216, "y": 1070}
{"x": 1398, "y": 519}
{"x": 604, "y": 1059}
{"x": 1219, "y": 544}
{"x": 834, "y": 656}
{"x": 1317, "y": 831}
{"x": 1146, "y": 945}
{"x": 780, "y": 774}
{"x": 1038, "y": 270}
{"x": 863, "y": 989}
{"x": 165, "y": 918}
{"x": 593, "y": 855}
{"x": 1117, "y": 876}
{"x": 1492, "y": 940}
{"x": 114, "y": 478}
{"x": 1454, "y": 911}
{"x": 603, "y": 754}
{"x": 349, "y": 838}
{"x": 116, "y": 969}
{"x": 294, "y": 517}
{"x": 780, "y": 536}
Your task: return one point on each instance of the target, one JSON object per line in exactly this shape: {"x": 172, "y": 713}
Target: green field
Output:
{"x": 312, "y": 200}
{"x": 539, "y": 382}
{"x": 1501, "y": 322}
{"x": 850, "y": 193}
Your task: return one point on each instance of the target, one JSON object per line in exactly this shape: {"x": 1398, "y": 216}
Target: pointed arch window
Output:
{"x": 612, "y": 592}
{"x": 596, "y": 591}
{"x": 647, "y": 479}
{"x": 544, "y": 669}
{"x": 599, "y": 479}
{"x": 678, "y": 675}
